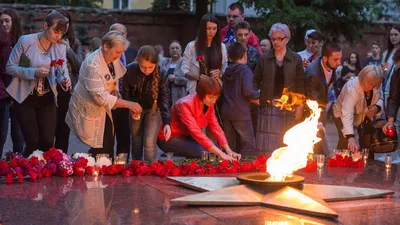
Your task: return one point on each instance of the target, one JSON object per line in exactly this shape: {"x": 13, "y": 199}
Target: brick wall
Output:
{"x": 146, "y": 27}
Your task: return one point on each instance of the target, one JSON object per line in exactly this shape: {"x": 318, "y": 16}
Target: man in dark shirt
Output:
{"x": 320, "y": 76}
{"x": 242, "y": 34}
{"x": 376, "y": 58}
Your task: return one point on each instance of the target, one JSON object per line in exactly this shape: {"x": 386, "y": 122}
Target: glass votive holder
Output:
{"x": 204, "y": 155}
{"x": 320, "y": 159}
{"x": 357, "y": 155}
{"x": 365, "y": 153}
{"x": 170, "y": 155}
{"x": 123, "y": 157}
{"x": 388, "y": 162}
{"x": 336, "y": 152}
{"x": 211, "y": 157}
{"x": 345, "y": 152}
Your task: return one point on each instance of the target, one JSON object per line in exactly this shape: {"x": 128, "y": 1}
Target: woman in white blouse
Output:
{"x": 36, "y": 63}
{"x": 96, "y": 93}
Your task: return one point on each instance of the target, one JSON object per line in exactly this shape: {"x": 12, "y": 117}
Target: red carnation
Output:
{"x": 14, "y": 163}
{"x": 34, "y": 161}
{"x": 89, "y": 170}
{"x": 46, "y": 172}
{"x": 32, "y": 176}
{"x": 200, "y": 57}
{"x": 127, "y": 173}
{"x": 23, "y": 162}
{"x": 20, "y": 177}
{"x": 9, "y": 179}
{"x": 53, "y": 63}
{"x": 60, "y": 61}
{"x": 79, "y": 172}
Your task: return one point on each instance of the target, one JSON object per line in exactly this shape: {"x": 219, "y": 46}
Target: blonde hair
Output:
{"x": 371, "y": 72}
{"x": 114, "y": 38}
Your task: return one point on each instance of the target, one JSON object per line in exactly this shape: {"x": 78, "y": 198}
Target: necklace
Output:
{"x": 45, "y": 50}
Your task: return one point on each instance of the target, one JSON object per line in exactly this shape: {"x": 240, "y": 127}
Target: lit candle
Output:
{"x": 95, "y": 173}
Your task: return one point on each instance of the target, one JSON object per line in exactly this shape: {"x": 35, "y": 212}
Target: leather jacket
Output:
{"x": 136, "y": 89}
{"x": 393, "y": 102}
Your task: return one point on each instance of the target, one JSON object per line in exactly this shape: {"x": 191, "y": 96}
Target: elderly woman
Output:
{"x": 357, "y": 105}
{"x": 96, "y": 93}
{"x": 34, "y": 81}
{"x": 190, "y": 115}
{"x": 172, "y": 68}
{"x": 277, "y": 69}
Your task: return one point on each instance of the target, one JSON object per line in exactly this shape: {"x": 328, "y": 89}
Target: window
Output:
{"x": 121, "y": 4}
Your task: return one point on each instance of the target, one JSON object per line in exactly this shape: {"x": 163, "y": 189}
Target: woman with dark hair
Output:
{"x": 144, "y": 84}
{"x": 209, "y": 47}
{"x": 36, "y": 64}
{"x": 10, "y": 23}
{"x": 74, "y": 61}
{"x": 349, "y": 71}
{"x": 10, "y": 20}
{"x": 190, "y": 115}
{"x": 5, "y": 50}
{"x": 388, "y": 65}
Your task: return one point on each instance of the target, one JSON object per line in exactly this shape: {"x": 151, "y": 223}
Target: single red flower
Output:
{"x": 89, "y": 170}
{"x": 53, "y": 63}
{"x": 14, "y": 163}
{"x": 200, "y": 57}
{"x": 79, "y": 172}
{"x": 46, "y": 172}
{"x": 9, "y": 179}
{"x": 34, "y": 161}
{"x": 127, "y": 173}
{"x": 23, "y": 162}
{"x": 32, "y": 176}
{"x": 60, "y": 61}
{"x": 20, "y": 177}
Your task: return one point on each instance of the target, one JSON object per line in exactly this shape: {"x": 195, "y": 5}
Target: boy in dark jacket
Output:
{"x": 237, "y": 92}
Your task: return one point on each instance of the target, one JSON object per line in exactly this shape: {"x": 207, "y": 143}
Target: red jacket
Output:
{"x": 253, "y": 39}
{"x": 188, "y": 119}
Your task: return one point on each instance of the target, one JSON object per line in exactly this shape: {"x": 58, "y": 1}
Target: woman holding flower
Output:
{"x": 34, "y": 82}
{"x": 206, "y": 55}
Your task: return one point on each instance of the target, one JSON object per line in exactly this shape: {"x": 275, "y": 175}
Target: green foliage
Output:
{"x": 335, "y": 18}
{"x": 82, "y": 3}
{"x": 180, "y": 5}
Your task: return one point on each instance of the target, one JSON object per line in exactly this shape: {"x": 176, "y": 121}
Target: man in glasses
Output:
{"x": 234, "y": 16}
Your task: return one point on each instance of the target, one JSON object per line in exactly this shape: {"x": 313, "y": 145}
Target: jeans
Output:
{"x": 240, "y": 136}
{"x": 182, "y": 146}
{"x": 62, "y": 129}
{"x": 144, "y": 135}
{"x": 121, "y": 129}
{"x": 7, "y": 112}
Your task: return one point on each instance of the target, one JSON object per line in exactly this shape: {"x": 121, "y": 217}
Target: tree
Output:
{"x": 334, "y": 18}
{"x": 81, "y": 3}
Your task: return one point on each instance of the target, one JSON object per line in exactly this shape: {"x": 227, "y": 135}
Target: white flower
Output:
{"x": 91, "y": 160}
{"x": 103, "y": 161}
{"x": 38, "y": 154}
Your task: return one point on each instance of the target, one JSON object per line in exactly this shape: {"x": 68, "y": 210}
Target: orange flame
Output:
{"x": 289, "y": 100}
{"x": 300, "y": 141}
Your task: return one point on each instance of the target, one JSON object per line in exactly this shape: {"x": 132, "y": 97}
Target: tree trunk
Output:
{"x": 201, "y": 9}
